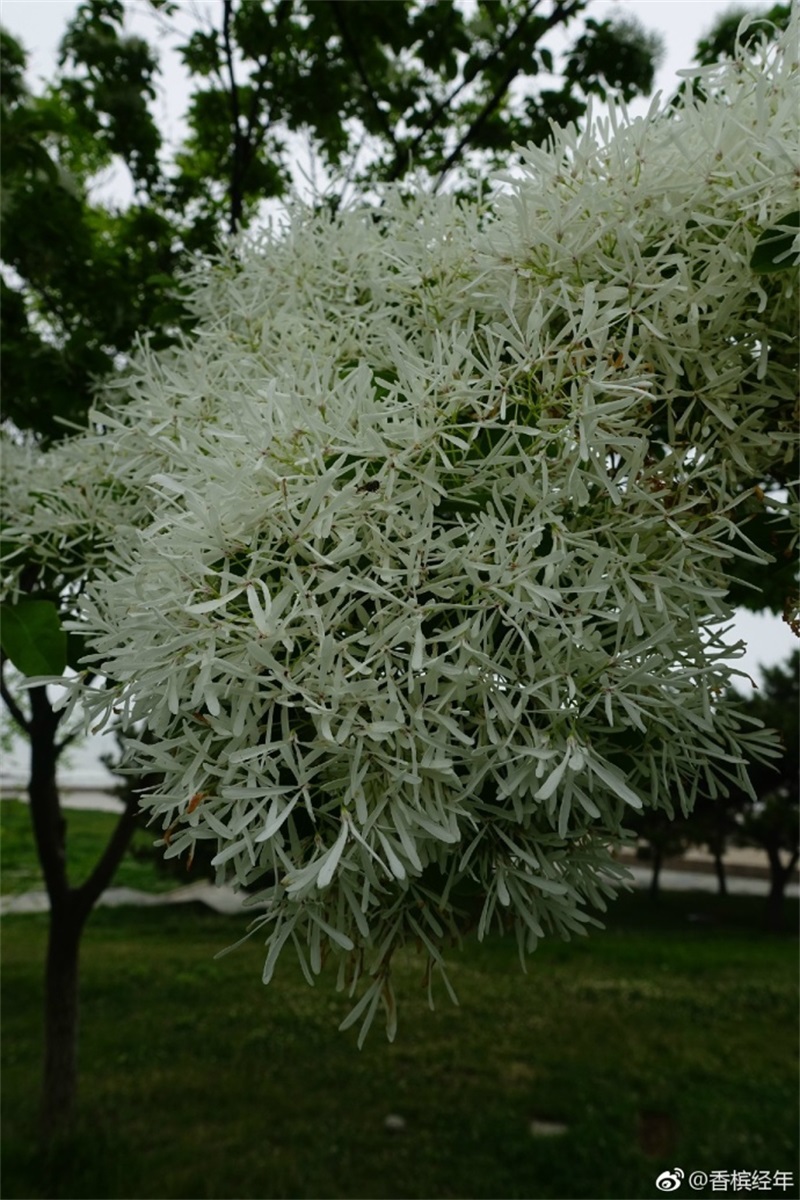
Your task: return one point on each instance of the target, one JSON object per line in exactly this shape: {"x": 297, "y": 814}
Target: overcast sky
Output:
{"x": 39, "y": 25}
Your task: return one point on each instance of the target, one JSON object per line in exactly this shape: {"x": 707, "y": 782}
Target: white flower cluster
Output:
{"x": 66, "y": 512}
{"x": 443, "y": 499}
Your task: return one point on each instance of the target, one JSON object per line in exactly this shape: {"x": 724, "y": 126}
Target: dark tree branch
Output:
{"x": 49, "y": 826}
{"x": 238, "y": 163}
{"x": 16, "y": 713}
{"x": 337, "y": 7}
{"x": 400, "y": 163}
{"x": 491, "y": 105}
{"x": 560, "y": 13}
{"x": 67, "y": 740}
{"x": 89, "y": 892}
{"x": 255, "y": 132}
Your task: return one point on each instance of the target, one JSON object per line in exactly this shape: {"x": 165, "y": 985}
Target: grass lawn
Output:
{"x": 87, "y": 834}
{"x": 665, "y": 1041}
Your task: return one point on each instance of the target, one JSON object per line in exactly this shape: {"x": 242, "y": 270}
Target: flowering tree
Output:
{"x": 411, "y": 83}
{"x": 441, "y": 504}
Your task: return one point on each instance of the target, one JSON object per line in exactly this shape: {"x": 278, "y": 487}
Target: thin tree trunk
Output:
{"x": 658, "y": 859}
{"x": 779, "y": 877}
{"x": 774, "y": 911}
{"x": 61, "y": 1019}
{"x": 49, "y": 826}
{"x": 719, "y": 867}
{"x": 69, "y": 909}
{"x": 59, "y": 1077}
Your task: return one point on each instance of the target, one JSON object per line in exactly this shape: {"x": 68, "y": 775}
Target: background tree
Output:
{"x": 768, "y": 819}
{"x": 36, "y": 600}
{"x": 720, "y": 41}
{"x": 713, "y": 825}
{"x": 664, "y": 836}
{"x": 771, "y": 820}
{"x": 378, "y": 89}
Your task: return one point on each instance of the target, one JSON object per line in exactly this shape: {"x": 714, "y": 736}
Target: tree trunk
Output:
{"x": 59, "y": 1078}
{"x": 69, "y": 909}
{"x": 777, "y": 883}
{"x": 60, "y": 1074}
{"x": 719, "y": 867}
{"x": 658, "y": 859}
{"x": 779, "y": 877}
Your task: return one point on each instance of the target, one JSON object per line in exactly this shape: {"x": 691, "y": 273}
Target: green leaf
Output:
{"x": 464, "y": 505}
{"x": 32, "y": 637}
{"x": 77, "y": 647}
{"x": 773, "y": 248}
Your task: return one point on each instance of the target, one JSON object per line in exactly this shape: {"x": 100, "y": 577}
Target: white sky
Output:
{"x": 39, "y": 25}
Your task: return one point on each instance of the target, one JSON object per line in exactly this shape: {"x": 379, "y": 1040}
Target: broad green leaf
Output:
{"x": 77, "y": 646}
{"x": 32, "y": 637}
{"x": 465, "y": 505}
{"x": 773, "y": 248}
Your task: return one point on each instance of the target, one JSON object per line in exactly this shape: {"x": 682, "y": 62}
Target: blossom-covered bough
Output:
{"x": 435, "y": 515}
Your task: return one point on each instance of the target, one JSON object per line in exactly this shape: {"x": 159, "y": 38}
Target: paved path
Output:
{"x": 222, "y": 899}
{"x": 705, "y": 881}
{"x": 225, "y": 900}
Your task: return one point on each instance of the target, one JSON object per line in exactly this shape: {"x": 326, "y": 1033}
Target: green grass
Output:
{"x": 87, "y": 834}
{"x": 663, "y": 1041}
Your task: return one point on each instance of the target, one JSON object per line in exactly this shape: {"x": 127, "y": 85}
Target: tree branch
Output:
{"x": 347, "y": 41}
{"x": 237, "y": 164}
{"x": 16, "y": 713}
{"x": 67, "y": 740}
{"x": 560, "y": 13}
{"x": 256, "y": 132}
{"x": 89, "y": 892}
{"x": 49, "y": 826}
{"x": 491, "y": 105}
{"x": 398, "y": 166}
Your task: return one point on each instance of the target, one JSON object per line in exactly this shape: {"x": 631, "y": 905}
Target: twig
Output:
{"x": 347, "y": 41}
{"x": 236, "y": 198}
{"x": 444, "y": 104}
{"x": 89, "y": 891}
{"x": 15, "y": 711}
{"x": 559, "y": 13}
